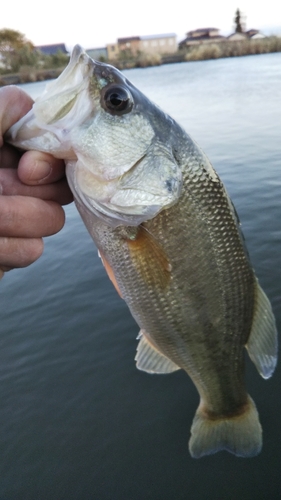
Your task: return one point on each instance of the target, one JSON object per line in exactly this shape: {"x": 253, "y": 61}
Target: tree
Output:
{"x": 51, "y": 61}
{"x": 13, "y": 40}
{"x": 237, "y": 20}
{"x": 15, "y": 50}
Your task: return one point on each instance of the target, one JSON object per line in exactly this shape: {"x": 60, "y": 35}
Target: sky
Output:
{"x": 97, "y": 23}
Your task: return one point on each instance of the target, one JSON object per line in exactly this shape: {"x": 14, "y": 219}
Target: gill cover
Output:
{"x": 117, "y": 165}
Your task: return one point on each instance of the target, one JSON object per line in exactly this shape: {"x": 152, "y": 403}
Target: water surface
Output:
{"x": 77, "y": 420}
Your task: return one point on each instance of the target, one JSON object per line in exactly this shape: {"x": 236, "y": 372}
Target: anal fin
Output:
{"x": 262, "y": 344}
{"x": 150, "y": 360}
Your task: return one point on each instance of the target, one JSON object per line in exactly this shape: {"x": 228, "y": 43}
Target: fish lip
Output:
{"x": 37, "y": 122}
{"x": 77, "y": 52}
{"x": 78, "y": 58}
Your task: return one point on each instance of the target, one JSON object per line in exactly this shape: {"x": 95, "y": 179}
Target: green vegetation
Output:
{"x": 232, "y": 49}
{"x": 126, "y": 59}
{"x": 58, "y": 60}
{"x": 237, "y": 20}
{"x": 20, "y": 62}
{"x": 12, "y": 40}
{"x": 201, "y": 52}
{"x": 15, "y": 51}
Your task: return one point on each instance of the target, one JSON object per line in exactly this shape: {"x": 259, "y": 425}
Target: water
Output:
{"x": 77, "y": 420}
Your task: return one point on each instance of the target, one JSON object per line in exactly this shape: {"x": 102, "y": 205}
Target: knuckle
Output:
{"x": 19, "y": 252}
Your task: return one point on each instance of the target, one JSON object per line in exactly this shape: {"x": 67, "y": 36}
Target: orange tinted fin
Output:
{"x": 149, "y": 258}
{"x": 110, "y": 273}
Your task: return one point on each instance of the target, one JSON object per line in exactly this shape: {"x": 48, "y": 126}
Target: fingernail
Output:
{"x": 41, "y": 169}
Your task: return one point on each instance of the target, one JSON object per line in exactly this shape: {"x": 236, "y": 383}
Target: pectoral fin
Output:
{"x": 262, "y": 343}
{"x": 150, "y": 360}
{"x": 149, "y": 258}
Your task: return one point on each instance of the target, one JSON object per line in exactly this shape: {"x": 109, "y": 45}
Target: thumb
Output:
{"x": 14, "y": 103}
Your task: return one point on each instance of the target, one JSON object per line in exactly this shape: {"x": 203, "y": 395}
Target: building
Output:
{"x": 50, "y": 50}
{"x": 112, "y": 51}
{"x": 201, "y": 35}
{"x": 130, "y": 43}
{"x": 245, "y": 35}
{"x": 99, "y": 54}
{"x": 237, "y": 37}
{"x": 150, "y": 44}
{"x": 211, "y": 35}
{"x": 254, "y": 34}
{"x": 159, "y": 44}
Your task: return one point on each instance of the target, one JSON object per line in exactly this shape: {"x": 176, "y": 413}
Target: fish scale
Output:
{"x": 169, "y": 238}
{"x": 153, "y": 315}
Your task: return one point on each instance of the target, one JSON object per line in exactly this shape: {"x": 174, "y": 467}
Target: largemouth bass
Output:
{"x": 169, "y": 239}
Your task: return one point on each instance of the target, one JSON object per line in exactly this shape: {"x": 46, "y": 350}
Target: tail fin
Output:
{"x": 241, "y": 434}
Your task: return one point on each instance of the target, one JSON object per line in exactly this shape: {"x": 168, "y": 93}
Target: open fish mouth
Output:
{"x": 95, "y": 120}
{"x": 64, "y": 103}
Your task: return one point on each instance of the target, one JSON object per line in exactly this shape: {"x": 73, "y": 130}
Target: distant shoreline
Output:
{"x": 31, "y": 76}
{"x": 199, "y": 52}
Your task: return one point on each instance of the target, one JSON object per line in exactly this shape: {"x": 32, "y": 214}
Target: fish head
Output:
{"x": 116, "y": 143}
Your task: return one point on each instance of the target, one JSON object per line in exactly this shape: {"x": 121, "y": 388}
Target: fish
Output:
{"x": 169, "y": 238}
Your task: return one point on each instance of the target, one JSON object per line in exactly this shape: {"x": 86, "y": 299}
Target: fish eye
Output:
{"x": 117, "y": 100}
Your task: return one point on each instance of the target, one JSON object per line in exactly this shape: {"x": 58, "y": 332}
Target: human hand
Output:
{"x": 32, "y": 189}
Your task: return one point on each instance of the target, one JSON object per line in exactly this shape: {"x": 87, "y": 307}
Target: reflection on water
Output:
{"x": 77, "y": 419}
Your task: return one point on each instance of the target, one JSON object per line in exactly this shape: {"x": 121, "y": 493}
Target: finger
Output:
{"x": 9, "y": 156}
{"x": 26, "y": 217}
{"x": 40, "y": 168}
{"x": 19, "y": 252}
{"x": 57, "y": 191}
{"x": 15, "y": 103}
